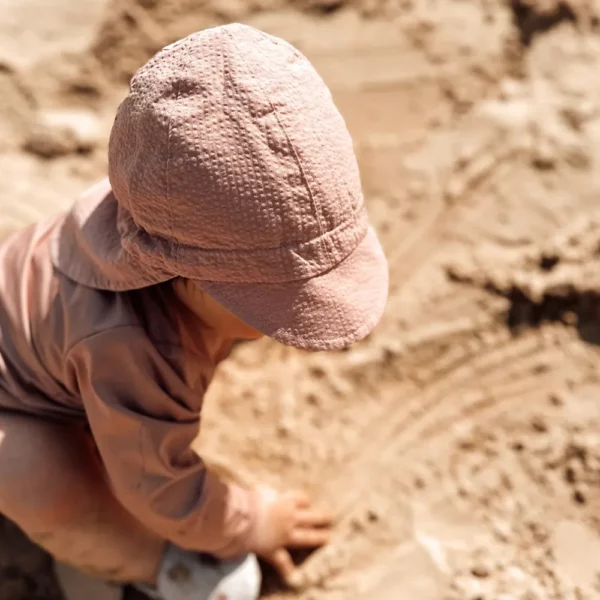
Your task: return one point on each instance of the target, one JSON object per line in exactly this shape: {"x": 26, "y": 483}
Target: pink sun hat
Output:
{"x": 230, "y": 165}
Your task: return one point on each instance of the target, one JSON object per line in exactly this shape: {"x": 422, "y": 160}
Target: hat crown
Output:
{"x": 229, "y": 140}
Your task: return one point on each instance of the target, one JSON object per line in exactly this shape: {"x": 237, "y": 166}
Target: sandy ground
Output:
{"x": 460, "y": 443}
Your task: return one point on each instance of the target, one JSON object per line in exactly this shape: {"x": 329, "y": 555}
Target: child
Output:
{"x": 234, "y": 210}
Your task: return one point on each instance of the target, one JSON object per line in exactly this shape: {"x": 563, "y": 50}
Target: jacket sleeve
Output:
{"x": 144, "y": 418}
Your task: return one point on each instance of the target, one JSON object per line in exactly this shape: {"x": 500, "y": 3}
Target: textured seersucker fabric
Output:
{"x": 229, "y": 164}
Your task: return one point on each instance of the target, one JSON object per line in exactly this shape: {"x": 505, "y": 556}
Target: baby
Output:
{"x": 233, "y": 209}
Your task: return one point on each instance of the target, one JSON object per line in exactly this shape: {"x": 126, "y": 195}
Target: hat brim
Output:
{"x": 327, "y": 312}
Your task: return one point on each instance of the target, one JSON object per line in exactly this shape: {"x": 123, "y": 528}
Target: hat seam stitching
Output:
{"x": 289, "y": 281}
{"x": 168, "y": 186}
{"x": 298, "y": 162}
{"x": 326, "y": 342}
{"x": 353, "y": 219}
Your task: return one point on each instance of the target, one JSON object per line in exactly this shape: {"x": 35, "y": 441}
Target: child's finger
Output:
{"x": 309, "y": 538}
{"x": 301, "y": 499}
{"x": 315, "y": 518}
{"x": 283, "y": 564}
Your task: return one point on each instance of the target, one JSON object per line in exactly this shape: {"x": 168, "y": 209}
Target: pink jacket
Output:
{"x": 135, "y": 365}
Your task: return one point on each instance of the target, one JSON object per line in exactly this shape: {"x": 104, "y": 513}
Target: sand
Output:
{"x": 459, "y": 445}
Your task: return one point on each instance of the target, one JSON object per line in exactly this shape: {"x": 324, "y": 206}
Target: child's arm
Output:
{"x": 144, "y": 418}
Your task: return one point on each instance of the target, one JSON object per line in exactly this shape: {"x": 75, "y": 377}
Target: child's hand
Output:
{"x": 289, "y": 521}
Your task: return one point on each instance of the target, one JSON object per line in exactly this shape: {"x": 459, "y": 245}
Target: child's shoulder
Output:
{"x": 40, "y": 302}
{"x": 144, "y": 324}
{"x": 138, "y": 313}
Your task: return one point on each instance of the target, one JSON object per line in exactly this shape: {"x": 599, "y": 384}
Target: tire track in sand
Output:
{"x": 453, "y": 183}
{"x": 482, "y": 382}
